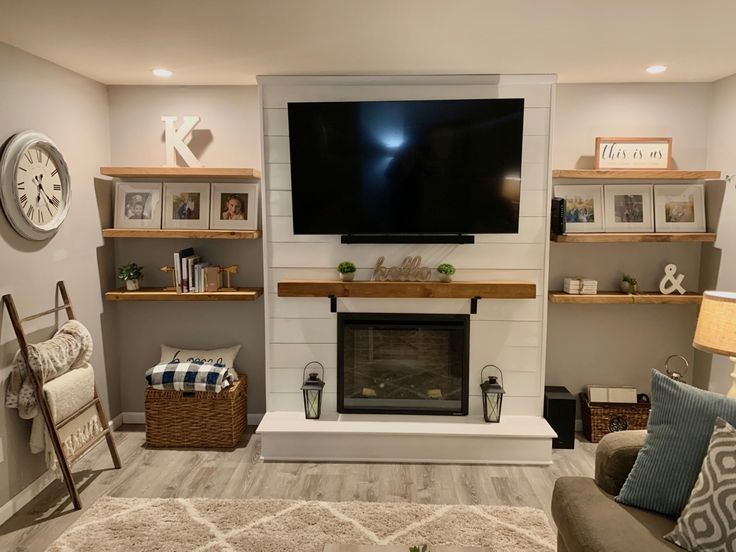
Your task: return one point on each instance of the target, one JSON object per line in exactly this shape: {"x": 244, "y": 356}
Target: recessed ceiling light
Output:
{"x": 654, "y": 69}
{"x": 163, "y": 73}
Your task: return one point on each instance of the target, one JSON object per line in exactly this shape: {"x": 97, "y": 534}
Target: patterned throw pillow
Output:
{"x": 679, "y": 429}
{"x": 708, "y": 522}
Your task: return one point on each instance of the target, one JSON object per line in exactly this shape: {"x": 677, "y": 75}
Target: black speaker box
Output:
{"x": 559, "y": 411}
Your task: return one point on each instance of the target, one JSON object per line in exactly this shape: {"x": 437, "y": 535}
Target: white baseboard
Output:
{"x": 15, "y": 504}
{"x": 117, "y": 421}
{"x": 140, "y": 418}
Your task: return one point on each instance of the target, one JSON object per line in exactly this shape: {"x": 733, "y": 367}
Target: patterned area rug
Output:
{"x": 268, "y": 525}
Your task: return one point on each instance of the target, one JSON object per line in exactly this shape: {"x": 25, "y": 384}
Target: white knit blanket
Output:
{"x": 68, "y": 384}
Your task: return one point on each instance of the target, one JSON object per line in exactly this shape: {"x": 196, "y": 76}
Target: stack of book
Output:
{"x": 194, "y": 275}
{"x": 581, "y": 286}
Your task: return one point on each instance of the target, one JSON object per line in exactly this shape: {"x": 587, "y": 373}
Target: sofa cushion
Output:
{"x": 680, "y": 425}
{"x": 708, "y": 522}
{"x": 589, "y": 520}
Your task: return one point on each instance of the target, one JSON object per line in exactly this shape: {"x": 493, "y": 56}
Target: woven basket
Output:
{"x": 599, "y": 419}
{"x": 200, "y": 419}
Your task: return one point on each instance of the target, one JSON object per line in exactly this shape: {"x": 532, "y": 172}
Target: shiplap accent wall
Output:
{"x": 509, "y": 333}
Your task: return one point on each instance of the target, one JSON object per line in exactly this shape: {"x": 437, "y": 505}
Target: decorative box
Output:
{"x": 198, "y": 419}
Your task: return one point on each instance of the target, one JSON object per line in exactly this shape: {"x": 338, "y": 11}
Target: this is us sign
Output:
{"x": 633, "y": 153}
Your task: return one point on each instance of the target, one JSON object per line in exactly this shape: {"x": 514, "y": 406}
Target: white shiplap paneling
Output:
{"x": 509, "y": 333}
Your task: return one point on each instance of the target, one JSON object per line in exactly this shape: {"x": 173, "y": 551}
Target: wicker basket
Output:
{"x": 196, "y": 419}
{"x": 600, "y": 419}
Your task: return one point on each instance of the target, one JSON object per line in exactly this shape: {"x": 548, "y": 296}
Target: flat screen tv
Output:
{"x": 406, "y": 167}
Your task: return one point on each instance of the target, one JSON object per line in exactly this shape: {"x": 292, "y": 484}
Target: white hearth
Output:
{"x": 289, "y": 437}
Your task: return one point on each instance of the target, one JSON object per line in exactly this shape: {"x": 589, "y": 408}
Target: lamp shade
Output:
{"x": 716, "y": 331}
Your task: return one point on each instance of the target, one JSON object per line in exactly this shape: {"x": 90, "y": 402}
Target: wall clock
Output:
{"x": 34, "y": 185}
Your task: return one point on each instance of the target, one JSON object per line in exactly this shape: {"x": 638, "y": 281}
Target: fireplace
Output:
{"x": 403, "y": 363}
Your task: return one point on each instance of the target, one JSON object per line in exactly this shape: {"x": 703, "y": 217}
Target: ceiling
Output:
{"x": 232, "y": 41}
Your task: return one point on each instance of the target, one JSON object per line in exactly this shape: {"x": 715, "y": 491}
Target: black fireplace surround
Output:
{"x": 403, "y": 363}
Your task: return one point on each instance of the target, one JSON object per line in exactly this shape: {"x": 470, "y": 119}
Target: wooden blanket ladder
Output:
{"x": 54, "y": 427}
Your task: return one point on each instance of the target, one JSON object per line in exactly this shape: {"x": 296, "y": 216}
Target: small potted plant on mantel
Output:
{"x": 347, "y": 271}
{"x": 446, "y": 271}
{"x": 132, "y": 274}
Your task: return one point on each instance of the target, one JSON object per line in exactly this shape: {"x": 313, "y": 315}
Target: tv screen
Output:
{"x": 406, "y": 167}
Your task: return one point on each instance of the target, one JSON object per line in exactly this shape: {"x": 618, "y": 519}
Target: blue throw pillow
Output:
{"x": 679, "y": 430}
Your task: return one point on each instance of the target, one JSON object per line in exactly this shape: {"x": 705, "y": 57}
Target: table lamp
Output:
{"x": 716, "y": 331}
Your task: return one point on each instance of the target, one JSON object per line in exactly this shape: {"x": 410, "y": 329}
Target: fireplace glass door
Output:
{"x": 403, "y": 363}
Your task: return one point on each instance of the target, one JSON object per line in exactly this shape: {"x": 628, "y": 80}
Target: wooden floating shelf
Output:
{"x": 187, "y": 234}
{"x": 436, "y": 290}
{"x": 620, "y": 298}
{"x": 158, "y": 294}
{"x": 638, "y": 174}
{"x": 634, "y": 237}
{"x": 185, "y": 173}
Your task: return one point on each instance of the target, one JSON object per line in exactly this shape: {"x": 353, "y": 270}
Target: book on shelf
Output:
{"x": 580, "y": 286}
{"x": 179, "y": 265}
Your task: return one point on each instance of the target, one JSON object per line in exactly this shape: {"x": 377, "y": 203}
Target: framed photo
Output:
{"x": 138, "y": 205}
{"x": 583, "y": 207}
{"x": 633, "y": 153}
{"x": 234, "y": 206}
{"x": 679, "y": 208}
{"x": 629, "y": 208}
{"x": 187, "y": 205}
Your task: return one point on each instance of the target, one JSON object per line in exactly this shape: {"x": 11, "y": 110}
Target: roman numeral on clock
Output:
{"x": 55, "y": 201}
{"x": 24, "y": 200}
{"x": 28, "y": 156}
{"x": 21, "y": 186}
{"x": 57, "y": 187}
{"x": 29, "y": 212}
{"x": 54, "y": 173}
{"x": 38, "y": 155}
{"x": 40, "y": 215}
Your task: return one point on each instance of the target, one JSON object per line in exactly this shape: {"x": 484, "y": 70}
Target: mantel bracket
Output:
{"x": 333, "y": 303}
{"x": 474, "y": 305}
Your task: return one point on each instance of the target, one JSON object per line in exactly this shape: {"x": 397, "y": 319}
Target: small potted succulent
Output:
{"x": 347, "y": 271}
{"x": 629, "y": 284}
{"x": 446, "y": 271}
{"x": 132, "y": 274}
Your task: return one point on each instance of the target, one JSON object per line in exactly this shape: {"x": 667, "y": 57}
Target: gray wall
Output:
{"x": 72, "y": 111}
{"x": 719, "y": 259}
{"x": 227, "y": 136}
{"x": 619, "y": 344}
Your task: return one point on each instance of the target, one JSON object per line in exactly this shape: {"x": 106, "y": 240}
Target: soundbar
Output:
{"x": 407, "y": 238}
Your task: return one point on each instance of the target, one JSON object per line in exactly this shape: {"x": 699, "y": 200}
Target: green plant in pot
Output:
{"x": 446, "y": 271}
{"x": 132, "y": 274}
{"x": 347, "y": 271}
{"x": 629, "y": 284}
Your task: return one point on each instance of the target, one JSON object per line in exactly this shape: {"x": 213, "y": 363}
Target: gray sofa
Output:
{"x": 587, "y": 517}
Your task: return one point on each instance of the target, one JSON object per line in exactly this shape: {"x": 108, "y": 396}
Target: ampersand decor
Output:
{"x": 671, "y": 281}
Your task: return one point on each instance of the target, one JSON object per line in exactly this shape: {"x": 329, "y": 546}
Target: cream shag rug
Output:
{"x": 269, "y": 525}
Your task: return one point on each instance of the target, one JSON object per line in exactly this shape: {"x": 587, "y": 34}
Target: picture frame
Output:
{"x": 186, "y": 205}
{"x": 679, "y": 207}
{"x": 633, "y": 153}
{"x": 138, "y": 205}
{"x": 628, "y": 208}
{"x": 234, "y": 206}
{"x": 584, "y": 210}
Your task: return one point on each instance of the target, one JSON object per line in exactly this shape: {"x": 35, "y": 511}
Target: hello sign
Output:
{"x": 633, "y": 153}
{"x": 410, "y": 270}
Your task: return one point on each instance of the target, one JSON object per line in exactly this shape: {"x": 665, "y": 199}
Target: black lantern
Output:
{"x": 492, "y": 395}
{"x": 312, "y": 389}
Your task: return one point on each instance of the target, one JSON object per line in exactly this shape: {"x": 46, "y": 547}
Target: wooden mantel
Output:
{"x": 429, "y": 290}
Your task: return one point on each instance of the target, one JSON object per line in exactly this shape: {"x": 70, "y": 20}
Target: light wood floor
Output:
{"x": 241, "y": 474}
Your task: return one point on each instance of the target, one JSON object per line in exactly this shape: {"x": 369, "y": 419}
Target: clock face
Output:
{"x": 38, "y": 187}
{"x": 34, "y": 185}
